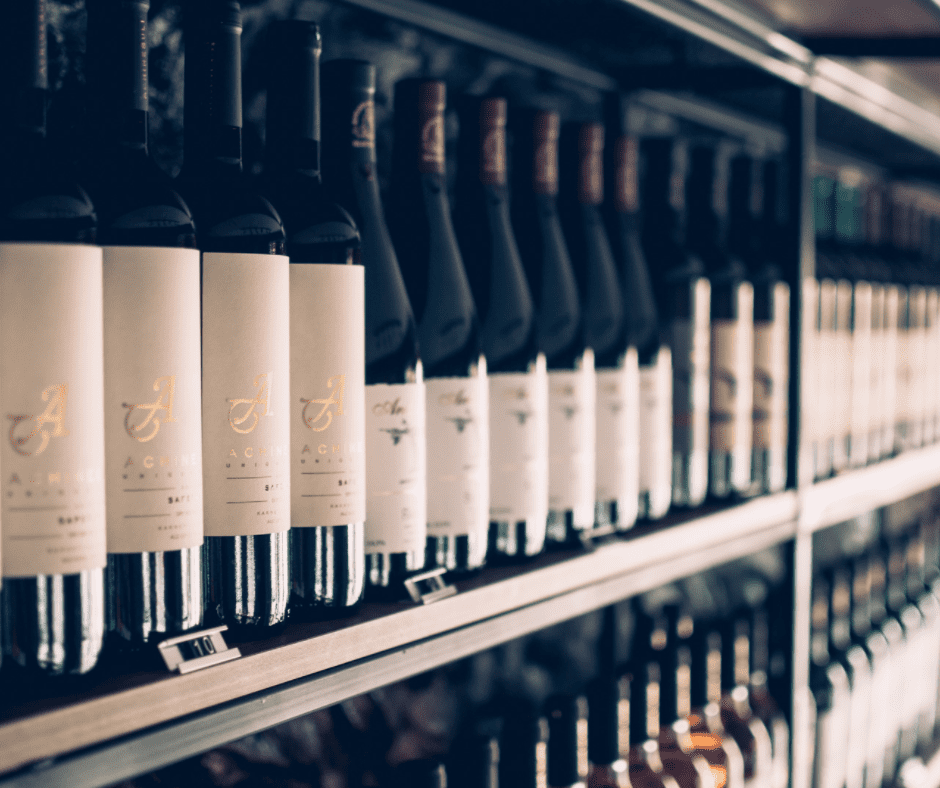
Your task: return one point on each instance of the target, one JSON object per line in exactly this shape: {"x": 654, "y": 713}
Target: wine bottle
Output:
{"x": 874, "y": 232}
{"x": 732, "y": 323}
{"x": 455, "y": 369}
{"x": 518, "y": 387}
{"x": 829, "y": 685}
{"x": 683, "y": 297}
{"x": 737, "y": 715}
{"x": 581, "y": 195}
{"x": 659, "y": 642}
{"x": 769, "y": 660}
{"x": 396, "y": 492}
{"x": 617, "y": 758}
{"x": 327, "y": 344}
{"x": 561, "y": 330}
{"x": 920, "y": 594}
{"x": 622, "y": 208}
{"x": 523, "y": 745}
{"x": 826, "y": 325}
{"x": 754, "y": 235}
{"x": 900, "y": 236}
{"x": 876, "y": 647}
{"x": 885, "y": 732}
{"x": 51, "y": 378}
{"x": 849, "y": 213}
{"x": 153, "y": 407}
{"x": 858, "y": 667}
{"x": 567, "y": 755}
{"x": 245, "y": 361}
{"x": 645, "y": 756}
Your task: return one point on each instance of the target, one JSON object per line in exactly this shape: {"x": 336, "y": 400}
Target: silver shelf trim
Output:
{"x": 854, "y": 493}
{"x": 644, "y": 563}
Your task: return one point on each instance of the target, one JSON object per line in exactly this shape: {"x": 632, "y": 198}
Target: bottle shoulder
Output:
{"x": 137, "y": 204}
{"x": 42, "y": 200}
{"x": 232, "y": 215}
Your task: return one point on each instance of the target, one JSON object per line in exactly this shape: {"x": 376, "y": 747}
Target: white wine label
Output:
{"x": 152, "y": 399}
{"x": 809, "y": 379}
{"x": 876, "y": 371}
{"x": 52, "y": 390}
{"x": 861, "y": 360}
{"x": 772, "y": 374}
{"x": 519, "y": 445}
{"x": 843, "y": 369}
{"x": 826, "y": 394}
{"x": 327, "y": 385}
{"x": 732, "y": 378}
{"x": 396, "y": 468}
{"x": 245, "y": 393}
{"x": 890, "y": 382}
{"x": 571, "y": 473}
{"x": 690, "y": 343}
{"x": 656, "y": 428}
{"x": 931, "y": 366}
{"x": 618, "y": 428}
{"x": 458, "y": 455}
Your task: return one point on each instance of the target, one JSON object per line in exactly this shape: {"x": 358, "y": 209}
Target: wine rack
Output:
{"x": 742, "y": 77}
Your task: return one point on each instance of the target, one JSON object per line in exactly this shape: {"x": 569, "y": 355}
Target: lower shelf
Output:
{"x": 131, "y": 724}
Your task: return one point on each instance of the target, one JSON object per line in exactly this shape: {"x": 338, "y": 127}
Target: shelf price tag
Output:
{"x": 429, "y": 587}
{"x": 196, "y": 650}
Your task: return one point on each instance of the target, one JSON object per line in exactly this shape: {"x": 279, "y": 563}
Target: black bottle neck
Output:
{"x": 567, "y": 740}
{"x": 848, "y": 214}
{"x": 840, "y": 610}
{"x": 418, "y": 152}
{"x": 878, "y": 582}
{"x": 24, "y": 73}
{"x": 348, "y": 96}
{"x": 523, "y": 746}
{"x": 861, "y": 597}
{"x": 604, "y": 719}
{"x": 824, "y": 209}
{"x": 736, "y": 656}
{"x": 708, "y": 202}
{"x": 746, "y": 210}
{"x": 117, "y": 73}
{"x": 645, "y": 688}
{"x": 663, "y": 191}
{"x": 706, "y": 667}
{"x": 292, "y": 143}
{"x": 819, "y": 623}
{"x": 676, "y": 664}
{"x": 212, "y": 90}
{"x": 896, "y": 592}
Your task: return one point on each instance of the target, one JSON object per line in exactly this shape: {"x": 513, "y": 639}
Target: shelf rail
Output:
{"x": 325, "y": 670}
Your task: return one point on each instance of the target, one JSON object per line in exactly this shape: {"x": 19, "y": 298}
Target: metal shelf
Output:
{"x": 854, "y": 493}
{"x": 113, "y": 735}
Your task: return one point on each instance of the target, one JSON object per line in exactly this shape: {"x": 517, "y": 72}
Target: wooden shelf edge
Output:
{"x": 854, "y": 493}
{"x": 630, "y": 565}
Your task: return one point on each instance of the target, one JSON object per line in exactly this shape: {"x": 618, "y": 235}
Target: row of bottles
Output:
{"x": 874, "y": 669}
{"x": 872, "y": 330}
{"x": 691, "y": 706}
{"x": 341, "y": 426}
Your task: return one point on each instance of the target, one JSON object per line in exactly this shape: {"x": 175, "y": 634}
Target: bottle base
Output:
{"x": 386, "y": 574}
{"x": 769, "y": 469}
{"x": 617, "y": 515}
{"x": 729, "y": 474}
{"x": 328, "y": 568}
{"x": 561, "y": 530}
{"x": 654, "y": 504}
{"x": 155, "y": 595}
{"x": 689, "y": 478}
{"x": 54, "y": 625}
{"x": 460, "y": 555}
{"x": 238, "y": 563}
{"x": 516, "y": 541}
